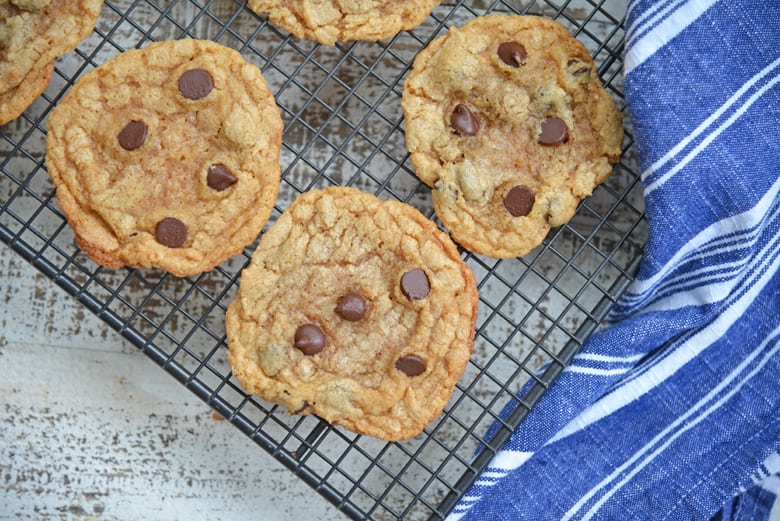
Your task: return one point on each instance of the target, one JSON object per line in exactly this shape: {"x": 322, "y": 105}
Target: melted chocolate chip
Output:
{"x": 171, "y": 232}
{"x": 519, "y": 201}
{"x": 195, "y": 84}
{"x": 577, "y": 67}
{"x": 352, "y": 306}
{"x": 220, "y": 177}
{"x": 133, "y": 135}
{"x": 415, "y": 284}
{"x": 310, "y": 339}
{"x": 512, "y": 53}
{"x": 554, "y": 132}
{"x": 411, "y": 365}
{"x": 463, "y": 121}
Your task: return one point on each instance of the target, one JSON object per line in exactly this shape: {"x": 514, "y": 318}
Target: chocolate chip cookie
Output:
{"x": 15, "y": 100}
{"x": 507, "y": 121}
{"x": 167, "y": 156}
{"x": 329, "y": 21}
{"x": 355, "y": 309}
{"x": 32, "y": 34}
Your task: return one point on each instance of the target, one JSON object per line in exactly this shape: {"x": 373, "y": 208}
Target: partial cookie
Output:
{"x": 34, "y": 32}
{"x": 15, "y": 100}
{"x": 167, "y": 156}
{"x": 329, "y": 21}
{"x": 358, "y": 310}
{"x": 508, "y": 122}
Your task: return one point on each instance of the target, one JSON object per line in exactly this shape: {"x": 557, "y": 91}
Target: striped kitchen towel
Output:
{"x": 673, "y": 410}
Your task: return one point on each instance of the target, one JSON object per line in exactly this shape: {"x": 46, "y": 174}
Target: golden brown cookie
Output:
{"x": 167, "y": 156}
{"x": 507, "y": 120}
{"x": 355, "y": 309}
{"x": 329, "y": 21}
{"x": 34, "y": 32}
{"x": 15, "y": 100}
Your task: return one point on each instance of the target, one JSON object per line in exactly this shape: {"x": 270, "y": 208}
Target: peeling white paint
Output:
{"x": 92, "y": 429}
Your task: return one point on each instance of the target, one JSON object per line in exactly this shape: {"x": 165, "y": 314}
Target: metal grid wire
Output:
{"x": 344, "y": 126}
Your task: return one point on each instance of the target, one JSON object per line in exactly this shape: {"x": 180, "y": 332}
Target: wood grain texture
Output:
{"x": 92, "y": 429}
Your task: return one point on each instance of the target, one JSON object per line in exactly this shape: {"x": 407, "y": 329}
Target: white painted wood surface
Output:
{"x": 92, "y": 429}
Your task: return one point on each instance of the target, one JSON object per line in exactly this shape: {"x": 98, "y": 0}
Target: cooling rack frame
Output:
{"x": 343, "y": 125}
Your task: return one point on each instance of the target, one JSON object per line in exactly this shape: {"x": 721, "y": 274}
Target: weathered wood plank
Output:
{"x": 90, "y": 428}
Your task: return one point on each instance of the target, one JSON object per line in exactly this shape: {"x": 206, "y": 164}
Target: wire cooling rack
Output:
{"x": 344, "y": 125}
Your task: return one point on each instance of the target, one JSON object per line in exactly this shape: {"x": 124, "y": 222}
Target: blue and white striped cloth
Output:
{"x": 672, "y": 412}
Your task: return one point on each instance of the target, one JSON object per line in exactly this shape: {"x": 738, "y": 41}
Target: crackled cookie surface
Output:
{"x": 357, "y": 310}
{"x": 33, "y": 33}
{"x": 329, "y": 21}
{"x": 16, "y": 99}
{"x": 167, "y": 156}
{"x": 507, "y": 120}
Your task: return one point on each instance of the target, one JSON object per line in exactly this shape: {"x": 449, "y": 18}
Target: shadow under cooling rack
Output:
{"x": 344, "y": 126}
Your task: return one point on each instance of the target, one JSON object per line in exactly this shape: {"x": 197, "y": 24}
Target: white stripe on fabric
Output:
{"x": 596, "y": 372}
{"x": 594, "y": 509}
{"x": 774, "y": 513}
{"x": 772, "y": 484}
{"x": 706, "y": 294}
{"x": 632, "y": 6}
{"x": 747, "y": 282}
{"x": 737, "y": 240}
{"x": 649, "y": 189}
{"x": 490, "y": 478}
{"x": 606, "y": 358}
{"x": 457, "y": 513}
{"x": 665, "y": 367}
{"x": 770, "y": 467}
{"x": 638, "y": 31}
{"x": 638, "y": 24}
{"x": 702, "y": 276}
{"x": 711, "y": 119}
{"x": 509, "y": 459}
{"x": 462, "y": 508}
{"x": 713, "y": 249}
{"x": 772, "y": 463}
{"x": 492, "y": 474}
{"x": 502, "y": 464}
{"x": 749, "y": 219}
{"x": 649, "y": 12}
{"x": 665, "y": 32}
{"x": 684, "y": 422}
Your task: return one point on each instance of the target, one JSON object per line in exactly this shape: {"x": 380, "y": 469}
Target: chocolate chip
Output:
{"x": 415, "y": 284}
{"x": 512, "y": 53}
{"x": 577, "y": 67}
{"x": 220, "y": 177}
{"x": 411, "y": 365}
{"x": 463, "y": 121}
{"x": 352, "y": 306}
{"x": 133, "y": 135}
{"x": 519, "y": 201}
{"x": 171, "y": 232}
{"x": 195, "y": 84}
{"x": 554, "y": 132}
{"x": 310, "y": 339}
